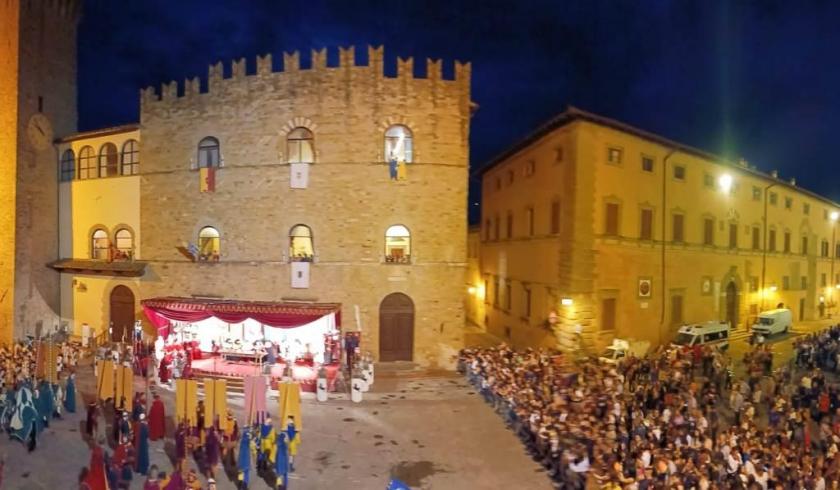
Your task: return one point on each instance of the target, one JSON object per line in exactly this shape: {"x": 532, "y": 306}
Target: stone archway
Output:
{"x": 396, "y": 328}
{"x": 122, "y": 314}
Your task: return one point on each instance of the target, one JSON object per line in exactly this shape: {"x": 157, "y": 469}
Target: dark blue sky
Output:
{"x": 757, "y": 80}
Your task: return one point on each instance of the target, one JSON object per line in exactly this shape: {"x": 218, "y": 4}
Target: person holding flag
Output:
{"x": 246, "y": 446}
{"x": 281, "y": 462}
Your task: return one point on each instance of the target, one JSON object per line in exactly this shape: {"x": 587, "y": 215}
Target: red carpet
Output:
{"x": 305, "y": 375}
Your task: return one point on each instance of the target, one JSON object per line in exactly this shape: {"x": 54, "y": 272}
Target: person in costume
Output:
{"x": 45, "y": 401}
{"x": 142, "y": 446}
{"x": 163, "y": 370}
{"x": 231, "y": 439}
{"x": 211, "y": 451}
{"x": 281, "y": 462}
{"x": 24, "y": 422}
{"x": 267, "y": 441}
{"x": 153, "y": 480}
{"x": 90, "y": 421}
{"x": 180, "y": 445}
{"x": 157, "y": 419}
{"x": 294, "y": 440}
{"x": 70, "y": 394}
{"x": 176, "y": 482}
{"x": 193, "y": 482}
{"x": 244, "y": 460}
{"x": 96, "y": 478}
{"x": 58, "y": 399}
{"x": 122, "y": 463}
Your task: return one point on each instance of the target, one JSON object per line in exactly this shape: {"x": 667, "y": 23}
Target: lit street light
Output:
{"x": 725, "y": 183}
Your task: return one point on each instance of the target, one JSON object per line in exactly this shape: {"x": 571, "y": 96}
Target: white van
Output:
{"x": 773, "y": 321}
{"x": 708, "y": 333}
{"x": 621, "y": 348}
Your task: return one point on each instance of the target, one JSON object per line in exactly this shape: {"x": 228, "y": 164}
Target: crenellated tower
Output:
{"x": 37, "y": 105}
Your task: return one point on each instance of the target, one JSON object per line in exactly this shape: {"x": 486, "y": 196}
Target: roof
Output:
{"x": 572, "y": 114}
{"x": 125, "y": 128}
{"x": 127, "y": 268}
{"x": 239, "y": 306}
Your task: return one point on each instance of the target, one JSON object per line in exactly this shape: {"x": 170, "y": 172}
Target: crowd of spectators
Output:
{"x": 674, "y": 419}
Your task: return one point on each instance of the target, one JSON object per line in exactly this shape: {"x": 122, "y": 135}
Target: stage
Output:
{"x": 305, "y": 375}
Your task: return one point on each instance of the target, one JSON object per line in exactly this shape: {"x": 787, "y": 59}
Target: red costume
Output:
{"x": 95, "y": 478}
{"x": 157, "y": 420}
{"x": 163, "y": 371}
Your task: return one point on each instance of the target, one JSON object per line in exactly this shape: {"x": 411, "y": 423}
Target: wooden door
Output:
{"x": 732, "y": 305}
{"x": 122, "y": 314}
{"x": 396, "y": 328}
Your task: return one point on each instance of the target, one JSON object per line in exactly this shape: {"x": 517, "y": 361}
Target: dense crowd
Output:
{"x": 33, "y": 394}
{"x": 673, "y": 419}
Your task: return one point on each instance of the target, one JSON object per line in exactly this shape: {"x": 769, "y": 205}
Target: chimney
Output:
{"x": 774, "y": 174}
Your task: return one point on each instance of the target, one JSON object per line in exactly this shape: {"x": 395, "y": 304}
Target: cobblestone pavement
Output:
{"x": 431, "y": 430}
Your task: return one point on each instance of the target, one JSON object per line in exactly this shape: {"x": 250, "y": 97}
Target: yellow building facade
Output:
{"x": 590, "y": 225}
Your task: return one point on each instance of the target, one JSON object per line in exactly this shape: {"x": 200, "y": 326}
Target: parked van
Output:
{"x": 621, "y": 348}
{"x": 708, "y": 333}
{"x": 773, "y": 321}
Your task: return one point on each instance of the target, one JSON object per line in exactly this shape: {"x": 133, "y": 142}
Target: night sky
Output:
{"x": 758, "y": 80}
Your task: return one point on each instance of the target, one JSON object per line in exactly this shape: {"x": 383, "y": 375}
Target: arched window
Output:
{"x": 125, "y": 244}
{"x": 108, "y": 159}
{"x": 87, "y": 163}
{"x": 130, "y": 158}
{"x": 300, "y": 244}
{"x": 300, "y": 146}
{"x": 398, "y": 245}
{"x": 68, "y": 166}
{"x": 208, "y": 152}
{"x": 100, "y": 244}
{"x": 398, "y": 144}
{"x": 209, "y": 244}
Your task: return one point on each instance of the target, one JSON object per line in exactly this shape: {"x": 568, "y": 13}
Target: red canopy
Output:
{"x": 160, "y": 311}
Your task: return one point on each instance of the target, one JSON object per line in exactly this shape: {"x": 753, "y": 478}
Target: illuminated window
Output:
{"x": 209, "y": 244}
{"x": 398, "y": 144}
{"x": 208, "y": 152}
{"x": 108, "y": 160}
{"x": 68, "y": 166}
{"x": 300, "y": 244}
{"x": 87, "y": 163}
{"x": 398, "y": 245}
{"x": 125, "y": 244}
{"x": 300, "y": 146}
{"x": 100, "y": 244}
{"x": 130, "y": 158}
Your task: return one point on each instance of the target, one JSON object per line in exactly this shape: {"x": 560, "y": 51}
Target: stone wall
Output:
{"x": 47, "y": 84}
{"x": 350, "y": 200}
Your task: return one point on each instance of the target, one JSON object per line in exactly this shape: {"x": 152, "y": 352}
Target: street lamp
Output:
{"x": 725, "y": 183}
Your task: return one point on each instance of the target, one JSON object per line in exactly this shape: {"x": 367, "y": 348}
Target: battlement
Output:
{"x": 264, "y": 71}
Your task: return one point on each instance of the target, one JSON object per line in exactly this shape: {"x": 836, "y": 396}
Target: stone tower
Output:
{"x": 37, "y": 105}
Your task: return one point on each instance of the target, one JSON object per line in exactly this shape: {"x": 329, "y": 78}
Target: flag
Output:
{"x": 186, "y": 401}
{"x": 255, "y": 392}
{"x": 207, "y": 179}
{"x": 215, "y": 402}
{"x": 288, "y": 397}
{"x": 395, "y": 484}
{"x": 105, "y": 382}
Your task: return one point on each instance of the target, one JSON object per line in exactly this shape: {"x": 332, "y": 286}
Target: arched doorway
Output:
{"x": 396, "y": 328}
{"x": 122, "y": 314}
{"x": 732, "y": 304}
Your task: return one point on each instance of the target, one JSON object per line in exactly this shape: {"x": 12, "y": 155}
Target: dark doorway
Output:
{"x": 396, "y": 328}
{"x": 732, "y": 304}
{"x": 122, "y": 314}
{"x": 801, "y": 309}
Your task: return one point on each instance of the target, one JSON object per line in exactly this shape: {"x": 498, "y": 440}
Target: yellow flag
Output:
{"x": 288, "y": 395}
{"x": 105, "y": 382}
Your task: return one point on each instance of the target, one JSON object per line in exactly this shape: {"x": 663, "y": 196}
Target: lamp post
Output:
{"x": 764, "y": 246}
{"x": 834, "y": 215}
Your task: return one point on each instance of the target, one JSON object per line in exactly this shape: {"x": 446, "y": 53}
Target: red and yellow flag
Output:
{"x": 207, "y": 179}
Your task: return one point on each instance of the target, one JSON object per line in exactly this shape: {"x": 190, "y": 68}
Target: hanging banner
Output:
{"x": 215, "y": 402}
{"x": 255, "y": 398}
{"x": 105, "y": 381}
{"x": 186, "y": 401}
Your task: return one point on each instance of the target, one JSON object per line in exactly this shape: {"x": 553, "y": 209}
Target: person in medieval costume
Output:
{"x": 211, "y": 451}
{"x": 163, "y": 370}
{"x": 24, "y": 423}
{"x": 124, "y": 461}
{"x": 157, "y": 419}
{"x": 96, "y": 478}
{"x": 90, "y": 421}
{"x": 244, "y": 460}
{"x": 58, "y": 399}
{"x": 137, "y": 407}
{"x": 180, "y": 445}
{"x": 70, "y": 394}
{"x": 267, "y": 441}
{"x": 294, "y": 441}
{"x": 142, "y": 446}
{"x": 118, "y": 415}
{"x": 176, "y": 482}
{"x": 281, "y": 462}
{"x": 231, "y": 439}
{"x": 45, "y": 401}
{"x": 193, "y": 482}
